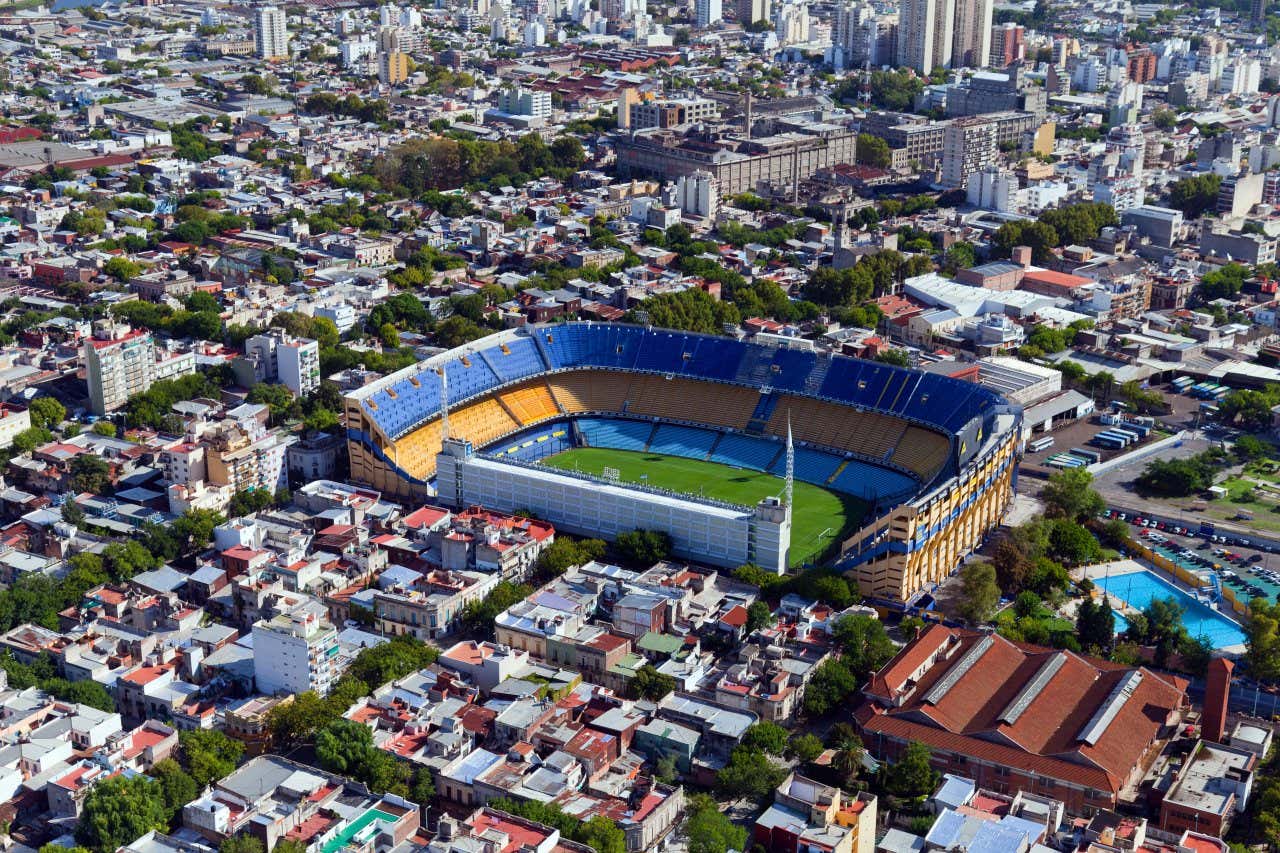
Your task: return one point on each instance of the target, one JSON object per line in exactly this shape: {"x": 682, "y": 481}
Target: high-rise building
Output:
{"x": 393, "y": 62}
{"x": 295, "y": 652}
{"x": 698, "y": 195}
{"x": 1008, "y": 45}
{"x": 753, "y": 11}
{"x": 270, "y": 34}
{"x": 968, "y": 144}
{"x": 925, "y": 34}
{"x": 971, "y": 28}
{"x": 120, "y": 362}
{"x": 525, "y": 102}
{"x": 709, "y": 13}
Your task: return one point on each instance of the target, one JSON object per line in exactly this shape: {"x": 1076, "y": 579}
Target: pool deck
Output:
{"x": 1120, "y": 567}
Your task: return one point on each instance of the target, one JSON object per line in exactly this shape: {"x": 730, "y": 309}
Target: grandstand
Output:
{"x": 934, "y": 456}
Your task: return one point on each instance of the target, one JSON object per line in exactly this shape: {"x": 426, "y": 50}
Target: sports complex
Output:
{"x": 742, "y": 452}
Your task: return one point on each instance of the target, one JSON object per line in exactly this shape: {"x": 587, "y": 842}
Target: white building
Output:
{"x": 709, "y": 13}
{"x": 120, "y": 362}
{"x": 698, "y": 194}
{"x": 295, "y": 652}
{"x": 525, "y": 102}
{"x": 968, "y": 144}
{"x": 277, "y": 356}
{"x": 13, "y": 420}
{"x": 993, "y": 188}
{"x": 270, "y": 33}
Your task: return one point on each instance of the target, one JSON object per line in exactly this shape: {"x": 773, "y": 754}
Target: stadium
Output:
{"x": 742, "y": 452}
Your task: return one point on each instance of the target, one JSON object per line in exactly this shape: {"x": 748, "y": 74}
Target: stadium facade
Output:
{"x": 933, "y": 457}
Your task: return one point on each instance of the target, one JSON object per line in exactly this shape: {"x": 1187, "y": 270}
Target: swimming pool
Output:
{"x": 1138, "y": 588}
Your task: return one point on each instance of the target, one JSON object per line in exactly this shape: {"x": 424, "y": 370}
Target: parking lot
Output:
{"x": 1240, "y": 563}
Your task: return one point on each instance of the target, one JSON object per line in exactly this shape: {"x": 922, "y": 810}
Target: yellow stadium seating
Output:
{"x": 690, "y": 400}
{"x": 923, "y": 451}
{"x": 866, "y": 433}
{"x": 590, "y": 391}
{"x": 530, "y": 403}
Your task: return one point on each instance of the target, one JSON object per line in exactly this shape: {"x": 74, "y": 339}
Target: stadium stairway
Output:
{"x": 756, "y": 367}
{"x": 813, "y": 382}
{"x": 836, "y": 473}
{"x": 542, "y": 351}
{"x": 714, "y": 445}
{"x": 484, "y": 356}
{"x": 652, "y": 434}
{"x": 506, "y": 407}
{"x": 760, "y": 417}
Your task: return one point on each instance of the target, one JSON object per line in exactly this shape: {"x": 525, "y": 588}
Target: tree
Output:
{"x": 194, "y": 528}
{"x": 1068, "y": 494}
{"x": 240, "y": 844}
{"x": 176, "y": 784}
{"x": 1250, "y": 447}
{"x": 46, "y": 412}
{"x": 766, "y": 736}
{"x": 749, "y": 773}
{"x": 1095, "y": 625}
{"x": 979, "y": 591}
{"x": 423, "y": 789}
{"x": 873, "y": 151}
{"x": 119, "y": 810}
{"x": 805, "y": 747}
{"x": 1224, "y": 282}
{"x": 1194, "y": 196}
{"x": 1176, "y": 477}
{"x": 400, "y": 656}
{"x": 565, "y": 552}
{"x": 709, "y": 830}
{"x": 912, "y": 775}
{"x": 644, "y": 547}
{"x": 602, "y": 835}
{"x": 121, "y": 268}
{"x": 343, "y": 746}
{"x": 865, "y": 645}
{"x": 758, "y": 616}
{"x": 847, "y": 761}
{"x": 650, "y": 684}
{"x": 105, "y": 428}
{"x": 90, "y": 473}
{"x": 209, "y": 755}
{"x": 84, "y": 692}
{"x": 830, "y": 685}
{"x": 1262, "y": 640}
{"x": 1072, "y": 543}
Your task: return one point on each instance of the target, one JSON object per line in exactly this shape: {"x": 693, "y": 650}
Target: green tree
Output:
{"x": 864, "y": 644}
{"x": 749, "y": 773}
{"x": 46, "y": 412}
{"x": 873, "y": 151}
{"x": 1069, "y": 494}
{"x": 1095, "y": 625}
{"x": 565, "y": 552}
{"x": 209, "y": 754}
{"x": 119, "y": 810}
{"x": 194, "y": 528}
{"x": 85, "y": 692}
{"x": 105, "y": 428}
{"x": 830, "y": 686}
{"x": 643, "y": 548}
{"x": 651, "y": 684}
{"x": 176, "y": 784}
{"x": 1250, "y": 447}
{"x": 1262, "y": 640}
{"x": 709, "y": 830}
{"x": 912, "y": 775}
{"x": 980, "y": 594}
{"x": 1194, "y": 196}
{"x": 804, "y": 747}
{"x": 90, "y": 473}
{"x": 240, "y": 844}
{"x": 121, "y": 268}
{"x": 602, "y": 835}
{"x": 758, "y": 616}
{"x": 766, "y": 736}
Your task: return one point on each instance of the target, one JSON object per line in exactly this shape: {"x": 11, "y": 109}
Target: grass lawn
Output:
{"x": 818, "y": 519}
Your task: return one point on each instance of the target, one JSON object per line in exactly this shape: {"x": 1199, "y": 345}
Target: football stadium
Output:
{"x": 742, "y": 452}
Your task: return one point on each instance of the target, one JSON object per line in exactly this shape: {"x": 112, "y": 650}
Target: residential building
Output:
{"x": 120, "y": 362}
{"x": 393, "y": 62}
{"x": 968, "y": 145}
{"x": 278, "y": 357}
{"x": 295, "y": 652}
{"x": 270, "y": 33}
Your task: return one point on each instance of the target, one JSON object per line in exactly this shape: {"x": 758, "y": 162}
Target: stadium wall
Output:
{"x": 711, "y": 532}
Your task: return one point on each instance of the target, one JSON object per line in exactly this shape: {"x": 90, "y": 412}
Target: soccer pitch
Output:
{"x": 818, "y": 518}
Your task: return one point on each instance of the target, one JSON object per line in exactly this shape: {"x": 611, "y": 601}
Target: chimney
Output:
{"x": 1216, "y": 694}
{"x": 1021, "y": 256}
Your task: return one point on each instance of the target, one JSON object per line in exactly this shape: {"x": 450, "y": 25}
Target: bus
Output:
{"x": 1040, "y": 444}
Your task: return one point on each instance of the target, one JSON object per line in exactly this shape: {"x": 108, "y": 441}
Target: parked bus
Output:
{"x": 1040, "y": 444}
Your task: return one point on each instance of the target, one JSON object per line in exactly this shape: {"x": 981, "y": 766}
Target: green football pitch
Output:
{"x": 819, "y": 517}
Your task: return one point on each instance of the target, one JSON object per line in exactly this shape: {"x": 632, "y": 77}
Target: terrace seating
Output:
{"x": 683, "y": 441}
{"x": 590, "y": 390}
{"x": 397, "y": 408}
{"x": 689, "y": 400}
{"x": 416, "y": 452}
{"x": 481, "y": 423}
{"x": 922, "y": 451}
{"x": 745, "y": 452}
{"x": 871, "y": 483}
{"x": 616, "y": 435}
{"x": 469, "y": 376}
{"x": 530, "y": 403}
{"x": 515, "y": 359}
{"x": 865, "y": 433}
{"x": 811, "y": 466}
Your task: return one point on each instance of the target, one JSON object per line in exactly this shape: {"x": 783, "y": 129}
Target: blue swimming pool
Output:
{"x": 1138, "y": 588}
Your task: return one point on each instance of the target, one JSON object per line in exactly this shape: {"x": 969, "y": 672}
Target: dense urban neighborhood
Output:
{"x": 603, "y": 426}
